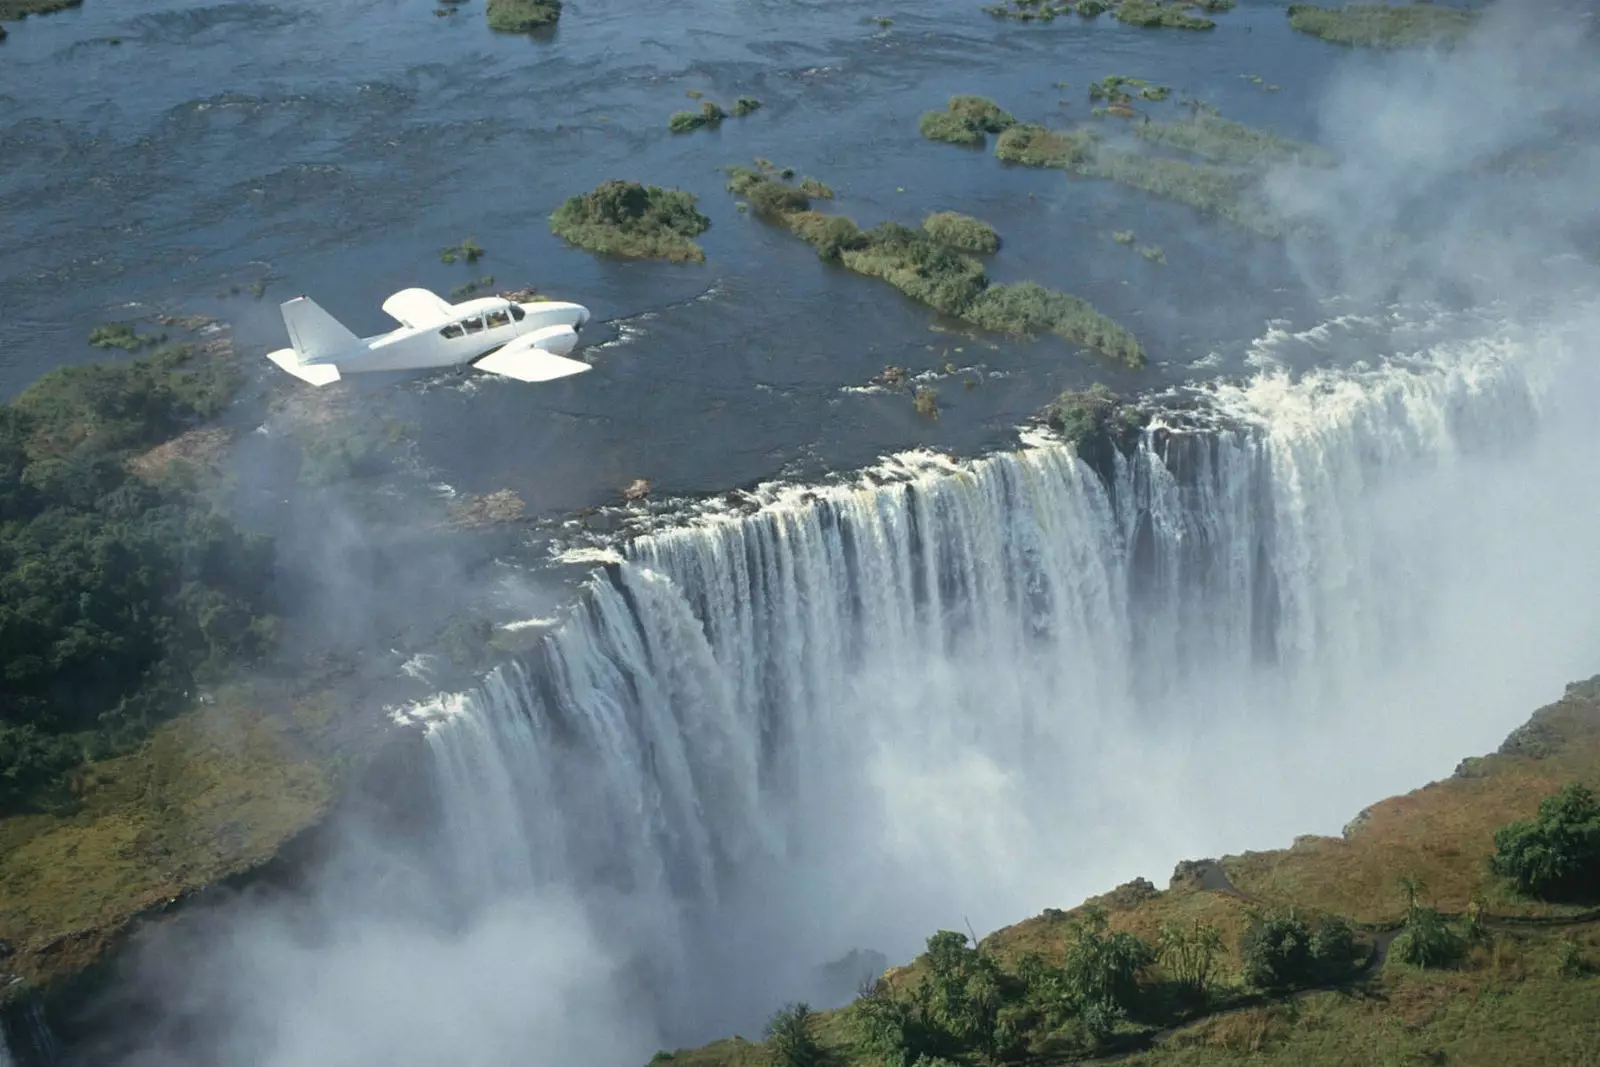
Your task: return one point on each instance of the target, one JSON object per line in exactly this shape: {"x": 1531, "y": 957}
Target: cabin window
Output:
{"x": 473, "y": 324}
{"x": 453, "y": 330}
{"x": 499, "y": 318}
{"x": 517, "y": 312}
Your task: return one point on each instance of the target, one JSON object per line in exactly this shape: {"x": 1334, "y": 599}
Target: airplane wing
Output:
{"x": 418, "y": 308}
{"x": 527, "y": 363}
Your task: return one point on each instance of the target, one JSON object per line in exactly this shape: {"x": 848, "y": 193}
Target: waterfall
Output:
{"x": 943, "y": 688}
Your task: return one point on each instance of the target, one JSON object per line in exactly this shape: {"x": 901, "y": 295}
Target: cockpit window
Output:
{"x": 473, "y": 324}
{"x": 453, "y": 330}
{"x": 499, "y": 318}
{"x": 517, "y": 312}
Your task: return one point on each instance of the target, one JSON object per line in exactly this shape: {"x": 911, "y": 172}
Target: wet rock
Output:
{"x": 638, "y": 490}
{"x": 892, "y": 377}
{"x": 500, "y": 506}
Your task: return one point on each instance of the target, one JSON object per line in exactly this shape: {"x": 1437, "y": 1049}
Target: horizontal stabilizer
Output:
{"x": 316, "y": 373}
{"x": 530, "y": 364}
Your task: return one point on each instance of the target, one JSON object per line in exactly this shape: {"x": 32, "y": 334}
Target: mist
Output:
{"x": 763, "y": 743}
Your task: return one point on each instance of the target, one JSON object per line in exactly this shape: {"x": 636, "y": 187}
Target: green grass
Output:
{"x": 211, "y": 792}
{"x": 1222, "y": 141}
{"x": 522, "y": 16}
{"x": 1029, "y": 308}
{"x": 622, "y": 218}
{"x": 962, "y": 232}
{"x": 1383, "y": 25}
{"x": 1208, "y": 189}
{"x": 472, "y": 288}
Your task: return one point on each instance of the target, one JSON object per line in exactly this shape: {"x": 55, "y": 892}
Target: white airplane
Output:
{"x": 528, "y": 342}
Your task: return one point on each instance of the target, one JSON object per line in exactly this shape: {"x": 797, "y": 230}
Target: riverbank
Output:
{"x": 1523, "y": 989}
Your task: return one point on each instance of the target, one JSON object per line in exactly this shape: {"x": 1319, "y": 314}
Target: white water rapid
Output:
{"x": 944, "y": 692}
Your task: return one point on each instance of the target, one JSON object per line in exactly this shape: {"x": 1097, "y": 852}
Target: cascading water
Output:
{"x": 972, "y": 689}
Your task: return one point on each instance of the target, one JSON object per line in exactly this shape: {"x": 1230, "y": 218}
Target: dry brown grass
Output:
{"x": 1442, "y": 833}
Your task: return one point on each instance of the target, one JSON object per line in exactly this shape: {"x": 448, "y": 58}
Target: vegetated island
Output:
{"x": 710, "y": 115}
{"x": 522, "y": 16}
{"x": 1227, "y": 192}
{"x": 623, "y": 218}
{"x": 1453, "y": 925}
{"x": 1175, "y": 14}
{"x": 1384, "y": 25}
{"x": 918, "y": 264}
{"x": 965, "y": 120}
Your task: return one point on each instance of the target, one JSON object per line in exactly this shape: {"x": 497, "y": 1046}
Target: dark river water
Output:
{"x": 334, "y": 149}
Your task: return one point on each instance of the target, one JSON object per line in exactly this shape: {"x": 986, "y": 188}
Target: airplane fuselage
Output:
{"x": 475, "y": 329}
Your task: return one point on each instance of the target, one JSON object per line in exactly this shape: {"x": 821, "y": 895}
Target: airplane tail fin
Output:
{"x": 313, "y": 332}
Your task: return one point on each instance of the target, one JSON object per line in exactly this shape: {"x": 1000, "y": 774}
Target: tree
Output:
{"x": 1556, "y": 854}
{"x": 1191, "y": 954}
{"x": 789, "y": 1039}
{"x": 1276, "y": 951}
{"x": 1101, "y": 971}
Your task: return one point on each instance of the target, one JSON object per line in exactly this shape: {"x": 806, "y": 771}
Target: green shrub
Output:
{"x": 745, "y": 105}
{"x": 1280, "y": 951}
{"x": 815, "y": 189}
{"x": 926, "y": 401}
{"x": 943, "y": 126}
{"x": 961, "y": 232}
{"x": 1427, "y": 940}
{"x": 1027, "y": 307}
{"x": 1092, "y": 8}
{"x": 624, "y": 218}
{"x": 1036, "y": 146}
{"x": 1190, "y": 954}
{"x": 1556, "y": 854}
{"x": 1146, "y": 13}
{"x": 468, "y": 250}
{"x": 122, "y": 335}
{"x": 965, "y": 120}
{"x": 830, "y": 235}
{"x": 922, "y": 269}
{"x": 790, "y": 1042}
{"x": 1122, "y": 237}
{"x": 522, "y": 16}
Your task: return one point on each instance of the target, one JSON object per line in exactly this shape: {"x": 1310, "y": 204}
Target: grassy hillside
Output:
{"x": 1183, "y": 977}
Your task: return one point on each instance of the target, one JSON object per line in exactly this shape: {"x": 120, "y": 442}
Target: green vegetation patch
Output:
{"x": 1383, "y": 25}
{"x": 123, "y": 335}
{"x": 1222, "y": 141}
{"x": 1030, "y": 10}
{"x": 1556, "y": 854}
{"x": 1037, "y": 146}
{"x": 623, "y": 218}
{"x": 11, "y": 10}
{"x": 468, "y": 250}
{"x": 116, "y": 591}
{"x": 965, "y": 120}
{"x": 522, "y": 16}
{"x": 745, "y": 105}
{"x": 962, "y": 232}
{"x": 933, "y": 272}
{"x": 1027, "y": 307}
{"x": 1172, "y": 16}
{"x": 209, "y": 793}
